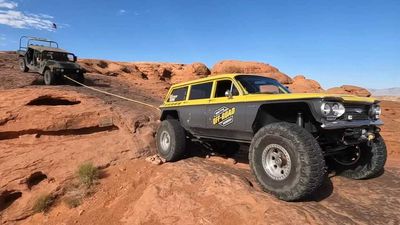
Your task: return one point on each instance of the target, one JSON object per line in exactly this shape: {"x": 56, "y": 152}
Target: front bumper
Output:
{"x": 342, "y": 124}
{"x": 67, "y": 71}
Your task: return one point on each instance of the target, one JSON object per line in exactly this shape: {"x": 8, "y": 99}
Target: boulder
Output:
{"x": 350, "y": 89}
{"x": 303, "y": 85}
{"x": 236, "y": 66}
{"x": 190, "y": 72}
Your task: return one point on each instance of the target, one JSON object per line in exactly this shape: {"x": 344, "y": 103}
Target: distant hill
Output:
{"x": 386, "y": 92}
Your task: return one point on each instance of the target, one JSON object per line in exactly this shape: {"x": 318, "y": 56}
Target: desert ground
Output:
{"x": 47, "y": 132}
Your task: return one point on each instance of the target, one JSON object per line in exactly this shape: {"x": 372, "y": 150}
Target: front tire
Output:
{"x": 171, "y": 140}
{"x": 49, "y": 77}
{"x": 22, "y": 65}
{"x": 81, "y": 78}
{"x": 370, "y": 163}
{"x": 287, "y": 161}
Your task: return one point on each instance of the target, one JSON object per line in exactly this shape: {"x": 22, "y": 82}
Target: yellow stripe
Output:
{"x": 265, "y": 98}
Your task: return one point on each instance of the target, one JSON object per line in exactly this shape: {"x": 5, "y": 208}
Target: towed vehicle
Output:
{"x": 43, "y": 56}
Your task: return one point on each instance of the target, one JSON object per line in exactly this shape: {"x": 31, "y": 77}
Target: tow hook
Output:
{"x": 371, "y": 136}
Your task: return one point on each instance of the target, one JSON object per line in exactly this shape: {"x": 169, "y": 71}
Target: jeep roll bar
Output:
{"x": 36, "y": 39}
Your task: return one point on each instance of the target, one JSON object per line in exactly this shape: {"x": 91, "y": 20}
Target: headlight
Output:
{"x": 62, "y": 70}
{"x": 332, "y": 110}
{"x": 375, "y": 112}
{"x": 326, "y": 109}
{"x": 338, "y": 109}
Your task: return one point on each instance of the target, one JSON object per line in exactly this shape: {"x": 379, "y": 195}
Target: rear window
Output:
{"x": 200, "y": 91}
{"x": 178, "y": 95}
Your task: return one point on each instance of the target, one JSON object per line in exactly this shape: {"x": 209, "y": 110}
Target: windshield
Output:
{"x": 58, "y": 56}
{"x": 261, "y": 85}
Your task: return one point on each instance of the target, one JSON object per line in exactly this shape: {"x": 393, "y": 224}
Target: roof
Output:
{"x": 213, "y": 77}
{"x": 46, "y": 48}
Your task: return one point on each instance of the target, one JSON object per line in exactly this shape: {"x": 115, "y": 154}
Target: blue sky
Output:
{"x": 334, "y": 42}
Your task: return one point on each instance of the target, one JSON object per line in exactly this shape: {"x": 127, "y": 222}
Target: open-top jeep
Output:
{"x": 294, "y": 137}
{"x": 46, "y": 58}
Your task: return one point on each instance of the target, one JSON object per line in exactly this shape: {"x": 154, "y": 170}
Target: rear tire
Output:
{"x": 49, "y": 77}
{"x": 171, "y": 140}
{"x": 22, "y": 65}
{"x": 287, "y": 161}
{"x": 370, "y": 164}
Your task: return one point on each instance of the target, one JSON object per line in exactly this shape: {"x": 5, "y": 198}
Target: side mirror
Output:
{"x": 228, "y": 94}
{"x": 75, "y": 58}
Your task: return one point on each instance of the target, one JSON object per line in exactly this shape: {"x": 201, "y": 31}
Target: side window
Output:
{"x": 223, "y": 86}
{"x": 178, "y": 95}
{"x": 200, "y": 91}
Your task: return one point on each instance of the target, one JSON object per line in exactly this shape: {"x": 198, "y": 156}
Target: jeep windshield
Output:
{"x": 261, "y": 85}
{"x": 58, "y": 56}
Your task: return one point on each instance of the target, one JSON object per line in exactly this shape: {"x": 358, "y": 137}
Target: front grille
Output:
{"x": 356, "y": 112}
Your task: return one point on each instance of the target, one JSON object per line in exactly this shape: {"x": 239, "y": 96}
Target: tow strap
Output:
{"x": 111, "y": 94}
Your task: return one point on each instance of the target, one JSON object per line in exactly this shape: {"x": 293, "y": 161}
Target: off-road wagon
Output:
{"x": 293, "y": 138}
{"x": 46, "y": 58}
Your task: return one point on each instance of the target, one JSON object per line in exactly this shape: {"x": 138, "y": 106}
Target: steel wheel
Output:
{"x": 22, "y": 64}
{"x": 165, "y": 141}
{"x": 276, "y": 162}
{"x": 49, "y": 78}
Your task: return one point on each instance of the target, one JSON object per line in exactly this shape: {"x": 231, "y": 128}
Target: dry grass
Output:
{"x": 88, "y": 174}
{"x": 43, "y": 203}
{"x": 73, "y": 201}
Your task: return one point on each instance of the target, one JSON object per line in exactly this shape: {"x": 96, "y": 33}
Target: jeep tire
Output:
{"x": 370, "y": 163}
{"x": 171, "y": 140}
{"x": 287, "y": 161}
{"x": 49, "y": 77}
{"x": 22, "y": 65}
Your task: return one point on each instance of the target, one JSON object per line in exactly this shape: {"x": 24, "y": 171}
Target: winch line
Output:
{"x": 111, "y": 94}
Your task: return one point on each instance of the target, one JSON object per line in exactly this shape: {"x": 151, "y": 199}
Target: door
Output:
{"x": 194, "y": 113}
{"x": 226, "y": 111}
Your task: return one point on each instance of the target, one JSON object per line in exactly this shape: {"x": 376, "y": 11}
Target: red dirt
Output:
{"x": 40, "y": 137}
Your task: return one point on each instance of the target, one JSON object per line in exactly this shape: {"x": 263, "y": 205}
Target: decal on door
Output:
{"x": 224, "y": 116}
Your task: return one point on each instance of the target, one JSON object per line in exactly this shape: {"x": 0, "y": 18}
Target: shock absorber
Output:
{"x": 300, "y": 121}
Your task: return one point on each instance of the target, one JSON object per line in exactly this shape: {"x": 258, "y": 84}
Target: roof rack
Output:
{"x": 28, "y": 40}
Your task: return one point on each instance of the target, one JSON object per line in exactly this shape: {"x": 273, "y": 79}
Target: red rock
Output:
{"x": 350, "y": 89}
{"x": 236, "y": 66}
{"x": 303, "y": 85}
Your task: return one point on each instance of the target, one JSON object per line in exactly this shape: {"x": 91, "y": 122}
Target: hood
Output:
{"x": 298, "y": 96}
{"x": 63, "y": 65}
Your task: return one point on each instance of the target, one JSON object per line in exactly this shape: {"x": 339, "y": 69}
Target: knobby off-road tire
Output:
{"x": 287, "y": 143}
{"x": 171, "y": 140}
{"x": 22, "y": 65}
{"x": 49, "y": 77}
{"x": 370, "y": 164}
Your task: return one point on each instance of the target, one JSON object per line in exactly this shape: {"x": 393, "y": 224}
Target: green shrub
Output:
{"x": 88, "y": 174}
{"x": 43, "y": 203}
